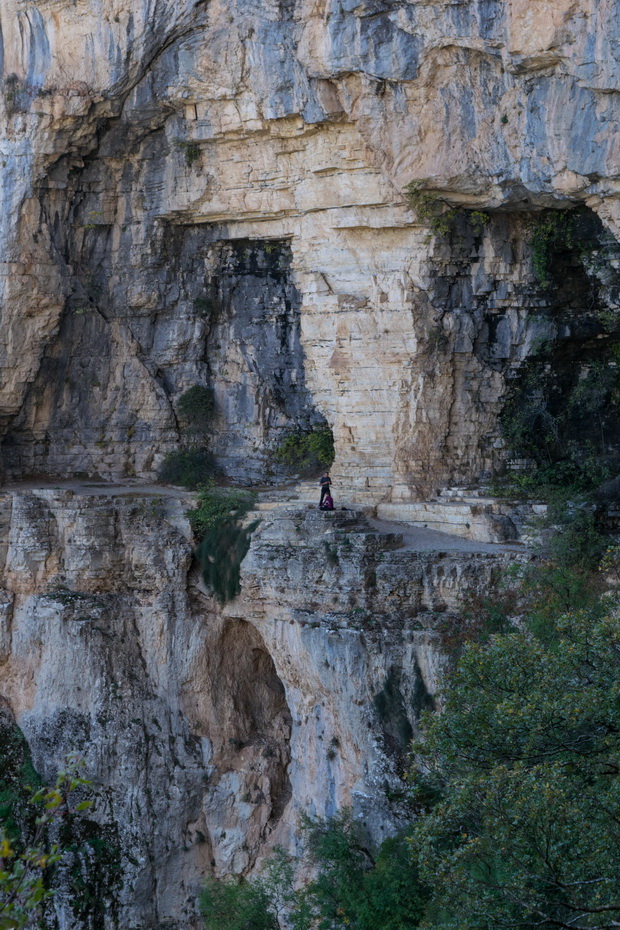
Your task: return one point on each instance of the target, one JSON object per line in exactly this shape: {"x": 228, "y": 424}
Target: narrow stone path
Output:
{"x": 415, "y": 538}
{"x": 88, "y": 487}
{"x": 304, "y": 494}
{"x": 421, "y": 539}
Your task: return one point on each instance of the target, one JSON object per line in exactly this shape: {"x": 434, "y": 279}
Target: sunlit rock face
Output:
{"x": 208, "y": 731}
{"x": 212, "y": 194}
{"x": 141, "y": 142}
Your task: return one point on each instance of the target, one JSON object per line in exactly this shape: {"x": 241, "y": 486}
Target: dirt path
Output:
{"x": 86, "y": 487}
{"x": 420, "y": 539}
{"x": 415, "y": 538}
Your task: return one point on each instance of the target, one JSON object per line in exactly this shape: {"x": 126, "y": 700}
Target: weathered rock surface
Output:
{"x": 211, "y": 193}
{"x": 145, "y": 144}
{"x": 206, "y": 731}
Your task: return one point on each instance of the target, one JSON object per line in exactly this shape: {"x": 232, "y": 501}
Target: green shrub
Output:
{"x": 188, "y": 468}
{"x": 352, "y": 890}
{"x": 356, "y": 888}
{"x": 191, "y": 150}
{"x": 565, "y": 421}
{"x": 224, "y": 540}
{"x": 217, "y": 505}
{"x": 31, "y": 865}
{"x": 553, "y": 233}
{"x": 524, "y": 762}
{"x": 221, "y": 553}
{"x": 17, "y": 778}
{"x": 430, "y": 208}
{"x": 196, "y": 409}
{"x": 243, "y": 905}
{"x": 306, "y": 452}
{"x": 438, "y": 214}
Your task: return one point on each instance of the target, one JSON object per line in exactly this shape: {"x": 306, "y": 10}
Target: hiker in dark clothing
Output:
{"x": 325, "y": 483}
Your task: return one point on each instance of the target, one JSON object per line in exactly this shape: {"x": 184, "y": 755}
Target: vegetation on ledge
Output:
{"x": 224, "y": 540}
{"x": 306, "y": 452}
{"x": 515, "y": 787}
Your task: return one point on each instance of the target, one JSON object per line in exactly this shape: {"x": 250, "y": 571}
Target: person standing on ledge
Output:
{"x": 325, "y": 483}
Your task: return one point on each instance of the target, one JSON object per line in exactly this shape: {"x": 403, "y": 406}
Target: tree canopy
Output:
{"x": 524, "y": 760}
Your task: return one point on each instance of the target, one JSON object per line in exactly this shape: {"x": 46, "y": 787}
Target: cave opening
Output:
{"x": 251, "y": 735}
{"x": 562, "y": 409}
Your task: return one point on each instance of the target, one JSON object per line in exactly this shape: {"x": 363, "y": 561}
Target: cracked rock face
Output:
{"x": 141, "y": 142}
{"x": 210, "y": 193}
{"x": 207, "y": 732}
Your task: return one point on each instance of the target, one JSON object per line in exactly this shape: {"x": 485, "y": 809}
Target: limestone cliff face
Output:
{"x": 211, "y": 193}
{"x": 146, "y": 147}
{"x": 207, "y": 732}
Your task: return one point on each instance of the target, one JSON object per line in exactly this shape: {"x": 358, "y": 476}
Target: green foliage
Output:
{"x": 221, "y": 553}
{"x": 196, "y": 409}
{"x": 553, "y": 232}
{"x": 189, "y": 468}
{"x": 91, "y": 867}
{"x": 224, "y": 540}
{"x": 306, "y": 452}
{"x": 430, "y": 208}
{"x": 436, "y": 340}
{"x": 228, "y": 905}
{"x": 194, "y": 466}
{"x": 565, "y": 576}
{"x": 27, "y": 861}
{"x": 217, "y": 506}
{"x": 255, "y": 905}
{"x": 526, "y": 761}
{"x": 477, "y": 220}
{"x": 11, "y": 93}
{"x": 351, "y": 890}
{"x": 437, "y": 213}
{"x": 565, "y": 424}
{"x": 191, "y": 151}
{"x": 18, "y": 778}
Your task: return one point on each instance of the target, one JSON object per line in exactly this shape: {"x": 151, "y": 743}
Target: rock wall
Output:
{"x": 207, "y": 732}
{"x": 138, "y": 137}
{"x": 212, "y": 194}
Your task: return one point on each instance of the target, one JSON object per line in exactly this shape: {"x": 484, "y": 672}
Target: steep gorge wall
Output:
{"x": 207, "y": 732}
{"x": 137, "y": 139}
{"x": 212, "y": 194}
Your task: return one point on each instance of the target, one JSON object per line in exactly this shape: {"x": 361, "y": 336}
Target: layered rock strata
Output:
{"x": 141, "y": 143}
{"x": 211, "y": 194}
{"x": 208, "y": 731}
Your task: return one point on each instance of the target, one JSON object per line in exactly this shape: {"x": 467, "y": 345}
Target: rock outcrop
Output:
{"x": 149, "y": 149}
{"x": 208, "y": 731}
{"x": 212, "y": 194}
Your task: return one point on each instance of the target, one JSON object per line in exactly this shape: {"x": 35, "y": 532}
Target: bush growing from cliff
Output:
{"x": 306, "y": 453}
{"x": 552, "y": 233}
{"x": 196, "y": 409}
{"x": 217, "y": 522}
{"x": 260, "y": 904}
{"x": 29, "y": 860}
{"x": 217, "y": 505}
{"x": 352, "y": 889}
{"x": 434, "y": 211}
{"x": 568, "y": 425}
{"x": 188, "y": 468}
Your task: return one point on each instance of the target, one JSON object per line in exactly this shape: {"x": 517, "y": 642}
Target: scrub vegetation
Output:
{"x": 514, "y": 790}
